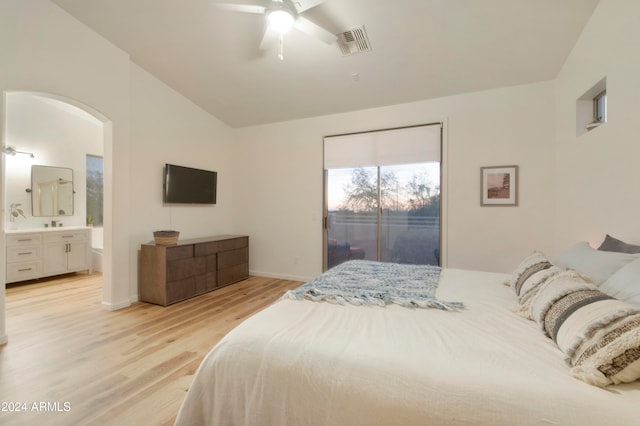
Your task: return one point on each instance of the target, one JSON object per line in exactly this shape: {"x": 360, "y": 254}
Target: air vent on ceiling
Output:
{"x": 354, "y": 41}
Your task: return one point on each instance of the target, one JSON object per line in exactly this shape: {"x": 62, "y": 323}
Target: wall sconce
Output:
{"x": 12, "y": 151}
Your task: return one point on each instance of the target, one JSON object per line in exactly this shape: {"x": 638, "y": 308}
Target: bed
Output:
{"x": 301, "y": 362}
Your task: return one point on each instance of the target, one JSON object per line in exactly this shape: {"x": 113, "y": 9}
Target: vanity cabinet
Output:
{"x": 67, "y": 251}
{"x": 169, "y": 274}
{"x": 34, "y": 254}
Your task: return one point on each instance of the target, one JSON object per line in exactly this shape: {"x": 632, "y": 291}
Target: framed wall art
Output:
{"x": 499, "y": 186}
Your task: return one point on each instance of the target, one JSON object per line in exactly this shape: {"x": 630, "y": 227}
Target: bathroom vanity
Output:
{"x": 35, "y": 253}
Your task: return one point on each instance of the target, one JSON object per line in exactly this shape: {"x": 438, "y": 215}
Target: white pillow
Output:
{"x": 596, "y": 265}
{"x": 625, "y": 284}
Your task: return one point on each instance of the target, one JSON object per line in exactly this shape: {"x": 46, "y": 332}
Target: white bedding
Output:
{"x": 305, "y": 363}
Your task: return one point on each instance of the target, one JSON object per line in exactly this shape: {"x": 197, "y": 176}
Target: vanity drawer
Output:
{"x": 23, "y": 271}
{"x": 18, "y": 240}
{"x": 65, "y": 236}
{"x": 24, "y": 253}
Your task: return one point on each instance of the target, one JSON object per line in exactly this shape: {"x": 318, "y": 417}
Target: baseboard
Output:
{"x": 280, "y": 276}
{"x": 116, "y": 306}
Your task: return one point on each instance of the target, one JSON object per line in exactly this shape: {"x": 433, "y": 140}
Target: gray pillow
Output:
{"x": 614, "y": 244}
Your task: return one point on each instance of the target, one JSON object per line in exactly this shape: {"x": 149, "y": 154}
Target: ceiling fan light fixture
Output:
{"x": 280, "y": 20}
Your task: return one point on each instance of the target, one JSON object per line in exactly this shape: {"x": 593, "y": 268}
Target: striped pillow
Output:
{"x": 533, "y": 263}
{"x": 534, "y": 283}
{"x": 599, "y": 335}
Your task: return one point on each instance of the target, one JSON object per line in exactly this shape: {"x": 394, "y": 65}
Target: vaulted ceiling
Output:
{"x": 420, "y": 49}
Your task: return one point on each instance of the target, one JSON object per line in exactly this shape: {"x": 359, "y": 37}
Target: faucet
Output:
{"x": 53, "y": 223}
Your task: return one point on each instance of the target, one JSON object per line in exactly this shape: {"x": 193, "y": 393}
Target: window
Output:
{"x": 600, "y": 108}
{"x": 95, "y": 188}
{"x": 591, "y": 108}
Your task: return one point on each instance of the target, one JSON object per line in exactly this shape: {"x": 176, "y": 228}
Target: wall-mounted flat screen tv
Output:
{"x": 186, "y": 185}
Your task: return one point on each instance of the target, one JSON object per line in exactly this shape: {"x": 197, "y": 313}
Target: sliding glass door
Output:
{"x": 352, "y": 225}
{"x": 410, "y": 220}
{"x": 389, "y": 209}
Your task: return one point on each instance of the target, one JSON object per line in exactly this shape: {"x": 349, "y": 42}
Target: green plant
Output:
{"x": 89, "y": 220}
{"x": 15, "y": 211}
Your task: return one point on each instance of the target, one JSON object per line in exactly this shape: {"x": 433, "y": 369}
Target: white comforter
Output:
{"x": 303, "y": 363}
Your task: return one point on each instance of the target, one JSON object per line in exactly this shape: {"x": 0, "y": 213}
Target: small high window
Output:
{"x": 591, "y": 108}
{"x": 600, "y": 108}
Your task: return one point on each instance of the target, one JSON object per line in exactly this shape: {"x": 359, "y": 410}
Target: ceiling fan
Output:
{"x": 281, "y": 16}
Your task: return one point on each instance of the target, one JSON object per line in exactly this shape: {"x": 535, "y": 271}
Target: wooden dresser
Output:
{"x": 169, "y": 274}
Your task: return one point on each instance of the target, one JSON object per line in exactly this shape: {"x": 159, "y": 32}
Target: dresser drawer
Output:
{"x": 180, "y": 269}
{"x": 233, "y": 243}
{"x": 23, "y": 240}
{"x": 206, "y": 249}
{"x": 233, "y": 274}
{"x": 180, "y": 290}
{"x": 24, "y": 253}
{"x": 23, "y": 271}
{"x": 233, "y": 257}
{"x": 179, "y": 252}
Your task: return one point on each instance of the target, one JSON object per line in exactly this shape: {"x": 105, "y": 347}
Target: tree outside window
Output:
{"x": 95, "y": 189}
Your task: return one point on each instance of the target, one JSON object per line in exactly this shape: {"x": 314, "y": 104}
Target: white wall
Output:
{"x": 597, "y": 174}
{"x": 58, "y": 135}
{"x": 278, "y": 179}
{"x": 167, "y": 128}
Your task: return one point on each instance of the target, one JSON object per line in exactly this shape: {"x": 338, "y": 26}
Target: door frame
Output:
{"x": 444, "y": 258}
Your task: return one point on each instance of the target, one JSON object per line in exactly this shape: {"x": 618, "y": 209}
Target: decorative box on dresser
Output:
{"x": 35, "y": 254}
{"x": 171, "y": 273}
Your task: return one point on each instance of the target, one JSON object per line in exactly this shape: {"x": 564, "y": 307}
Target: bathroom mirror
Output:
{"x": 51, "y": 191}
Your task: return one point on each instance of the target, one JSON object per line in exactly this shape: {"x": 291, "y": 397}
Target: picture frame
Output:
{"x": 499, "y": 186}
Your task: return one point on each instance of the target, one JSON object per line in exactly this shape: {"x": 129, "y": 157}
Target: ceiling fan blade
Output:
{"x": 302, "y": 5}
{"x": 314, "y": 30}
{"x": 269, "y": 38}
{"x": 244, "y": 8}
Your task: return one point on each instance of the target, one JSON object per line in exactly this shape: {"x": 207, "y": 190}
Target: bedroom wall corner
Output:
{"x": 597, "y": 172}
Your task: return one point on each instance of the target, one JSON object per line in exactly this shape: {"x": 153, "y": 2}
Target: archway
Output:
{"x": 78, "y": 109}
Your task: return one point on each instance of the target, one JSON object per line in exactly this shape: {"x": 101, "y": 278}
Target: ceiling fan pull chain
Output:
{"x": 281, "y": 47}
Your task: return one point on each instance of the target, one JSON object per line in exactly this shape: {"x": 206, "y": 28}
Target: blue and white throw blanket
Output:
{"x": 365, "y": 283}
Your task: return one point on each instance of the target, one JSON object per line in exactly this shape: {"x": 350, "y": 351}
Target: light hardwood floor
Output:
{"x": 71, "y": 361}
